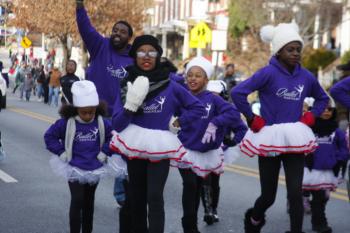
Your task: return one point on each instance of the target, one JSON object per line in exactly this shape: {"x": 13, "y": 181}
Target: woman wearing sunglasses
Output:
{"x": 142, "y": 122}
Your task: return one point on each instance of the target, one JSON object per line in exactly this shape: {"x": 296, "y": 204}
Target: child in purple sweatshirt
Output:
{"x": 319, "y": 175}
{"x": 141, "y": 121}
{"x": 202, "y": 140}
{"x": 281, "y": 134}
{"x": 80, "y": 144}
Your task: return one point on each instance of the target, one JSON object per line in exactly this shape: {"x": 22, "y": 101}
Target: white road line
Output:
{"x": 7, "y": 178}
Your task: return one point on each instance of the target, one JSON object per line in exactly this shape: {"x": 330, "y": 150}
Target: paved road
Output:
{"x": 33, "y": 200}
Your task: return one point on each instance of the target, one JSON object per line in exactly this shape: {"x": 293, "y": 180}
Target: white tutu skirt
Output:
{"x": 231, "y": 154}
{"x": 116, "y": 166}
{"x": 273, "y": 140}
{"x": 74, "y": 174}
{"x": 319, "y": 180}
{"x": 201, "y": 163}
{"x": 136, "y": 142}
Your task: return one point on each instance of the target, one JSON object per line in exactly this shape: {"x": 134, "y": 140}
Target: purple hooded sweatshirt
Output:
{"x": 341, "y": 92}
{"x": 220, "y": 113}
{"x": 107, "y": 66}
{"x": 330, "y": 149}
{"x": 281, "y": 93}
{"x": 86, "y": 144}
{"x": 158, "y": 111}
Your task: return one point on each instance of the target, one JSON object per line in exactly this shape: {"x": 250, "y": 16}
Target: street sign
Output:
{"x": 25, "y": 42}
{"x": 200, "y": 35}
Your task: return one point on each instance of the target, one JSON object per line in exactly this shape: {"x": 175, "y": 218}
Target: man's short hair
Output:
{"x": 130, "y": 31}
{"x": 230, "y": 65}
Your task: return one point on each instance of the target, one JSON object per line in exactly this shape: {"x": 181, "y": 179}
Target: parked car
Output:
{"x": 3, "y": 87}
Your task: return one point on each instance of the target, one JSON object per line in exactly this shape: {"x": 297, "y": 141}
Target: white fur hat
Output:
{"x": 216, "y": 86}
{"x": 280, "y": 35}
{"x": 202, "y": 63}
{"x": 84, "y": 94}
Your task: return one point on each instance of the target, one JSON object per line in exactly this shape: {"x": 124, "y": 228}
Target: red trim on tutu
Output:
{"x": 253, "y": 150}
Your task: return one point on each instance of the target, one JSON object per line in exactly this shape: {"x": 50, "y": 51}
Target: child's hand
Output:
{"x": 256, "y": 123}
{"x": 64, "y": 157}
{"x": 174, "y": 125}
{"x": 102, "y": 157}
{"x": 210, "y": 133}
{"x": 136, "y": 93}
{"x": 308, "y": 119}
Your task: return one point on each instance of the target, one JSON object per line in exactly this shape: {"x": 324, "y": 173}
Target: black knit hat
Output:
{"x": 142, "y": 40}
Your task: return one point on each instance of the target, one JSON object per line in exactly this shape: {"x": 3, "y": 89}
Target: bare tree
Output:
{"x": 56, "y": 18}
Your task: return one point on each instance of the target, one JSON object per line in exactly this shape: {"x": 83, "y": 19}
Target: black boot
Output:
{"x": 215, "y": 200}
{"x": 189, "y": 224}
{"x": 318, "y": 215}
{"x": 207, "y": 203}
{"x": 249, "y": 227}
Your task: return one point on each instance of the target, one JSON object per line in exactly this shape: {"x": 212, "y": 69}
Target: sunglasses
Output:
{"x": 329, "y": 109}
{"x": 152, "y": 54}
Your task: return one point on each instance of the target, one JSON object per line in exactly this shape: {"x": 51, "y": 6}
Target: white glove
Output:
{"x": 210, "y": 133}
{"x": 136, "y": 93}
{"x": 172, "y": 128}
{"x": 64, "y": 157}
{"x": 102, "y": 157}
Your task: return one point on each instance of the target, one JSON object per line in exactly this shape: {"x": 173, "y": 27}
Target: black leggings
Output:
{"x": 81, "y": 212}
{"x": 269, "y": 168}
{"x": 191, "y": 193}
{"x": 146, "y": 185}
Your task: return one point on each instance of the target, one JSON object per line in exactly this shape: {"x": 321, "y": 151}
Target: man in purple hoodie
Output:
{"x": 108, "y": 55}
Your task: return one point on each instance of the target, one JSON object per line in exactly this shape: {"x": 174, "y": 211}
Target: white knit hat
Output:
{"x": 216, "y": 86}
{"x": 203, "y": 63}
{"x": 280, "y": 35}
{"x": 84, "y": 94}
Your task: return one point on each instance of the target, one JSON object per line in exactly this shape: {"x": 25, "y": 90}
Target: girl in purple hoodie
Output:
{"x": 202, "y": 140}
{"x": 282, "y": 133}
{"x": 319, "y": 175}
{"x": 142, "y": 134}
{"x": 80, "y": 144}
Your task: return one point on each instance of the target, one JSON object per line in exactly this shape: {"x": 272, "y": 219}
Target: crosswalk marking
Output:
{"x": 6, "y": 177}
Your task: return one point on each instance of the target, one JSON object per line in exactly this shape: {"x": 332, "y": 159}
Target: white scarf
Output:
{"x": 71, "y": 129}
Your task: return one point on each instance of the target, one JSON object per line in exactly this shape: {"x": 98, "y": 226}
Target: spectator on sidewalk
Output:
{"x": 54, "y": 87}
{"x": 67, "y": 81}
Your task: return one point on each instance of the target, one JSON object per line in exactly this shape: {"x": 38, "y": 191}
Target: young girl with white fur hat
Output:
{"x": 80, "y": 144}
{"x": 202, "y": 140}
{"x": 282, "y": 133}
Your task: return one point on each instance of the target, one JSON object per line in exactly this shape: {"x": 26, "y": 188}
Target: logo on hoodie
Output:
{"x": 207, "y": 108}
{"x": 294, "y": 94}
{"x": 156, "y": 106}
{"x": 119, "y": 73}
{"x": 90, "y": 136}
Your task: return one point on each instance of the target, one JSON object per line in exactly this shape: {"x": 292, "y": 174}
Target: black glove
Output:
{"x": 228, "y": 141}
{"x": 338, "y": 166}
{"x": 309, "y": 161}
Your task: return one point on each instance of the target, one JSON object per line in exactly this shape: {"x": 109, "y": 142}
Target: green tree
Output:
{"x": 313, "y": 59}
{"x": 346, "y": 57}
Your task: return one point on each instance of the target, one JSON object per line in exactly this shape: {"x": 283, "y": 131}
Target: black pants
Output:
{"x": 81, "y": 210}
{"x": 269, "y": 168}
{"x": 146, "y": 184}
{"x": 318, "y": 207}
{"x": 191, "y": 193}
{"x": 124, "y": 213}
